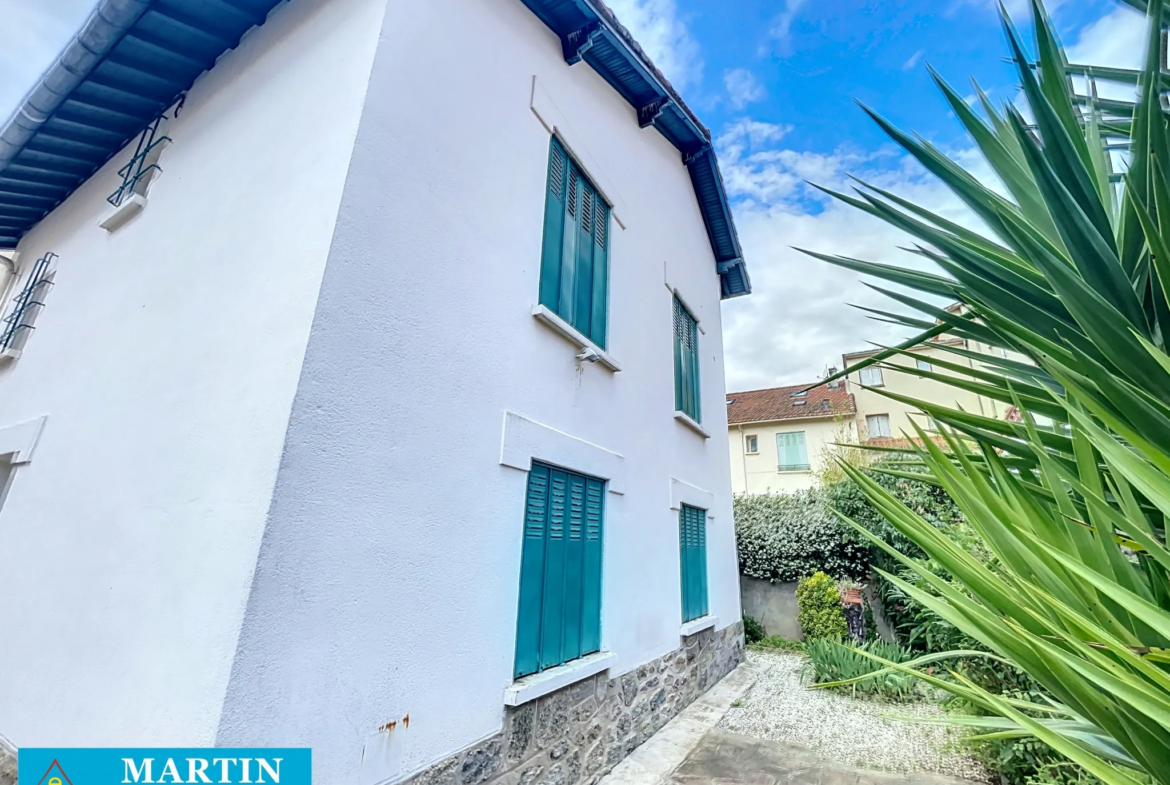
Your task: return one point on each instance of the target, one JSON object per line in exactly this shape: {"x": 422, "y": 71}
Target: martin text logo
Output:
{"x": 164, "y": 766}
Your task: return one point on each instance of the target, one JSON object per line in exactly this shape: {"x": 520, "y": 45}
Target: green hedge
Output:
{"x": 784, "y": 537}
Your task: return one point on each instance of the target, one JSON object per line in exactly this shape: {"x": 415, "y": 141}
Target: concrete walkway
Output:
{"x": 690, "y": 750}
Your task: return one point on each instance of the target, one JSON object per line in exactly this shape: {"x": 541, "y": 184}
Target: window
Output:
{"x": 560, "y": 569}
{"x": 686, "y": 362}
{"x": 574, "y": 259}
{"x": 692, "y": 547}
{"x": 751, "y": 444}
{"x": 924, "y": 365}
{"x": 877, "y": 425}
{"x": 792, "y": 455}
{"x": 25, "y": 305}
{"x": 800, "y": 394}
{"x": 872, "y": 377}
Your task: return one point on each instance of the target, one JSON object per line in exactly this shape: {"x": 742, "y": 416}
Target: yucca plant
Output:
{"x": 1071, "y": 279}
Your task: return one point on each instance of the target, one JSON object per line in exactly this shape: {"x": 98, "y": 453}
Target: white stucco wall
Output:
{"x": 388, "y": 579}
{"x": 759, "y": 473}
{"x": 166, "y": 360}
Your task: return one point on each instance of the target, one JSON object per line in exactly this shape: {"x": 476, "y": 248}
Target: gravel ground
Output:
{"x": 850, "y": 731}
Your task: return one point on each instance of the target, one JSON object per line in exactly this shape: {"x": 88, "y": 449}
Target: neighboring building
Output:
{"x": 780, "y": 437}
{"x": 363, "y": 401}
{"x": 879, "y": 417}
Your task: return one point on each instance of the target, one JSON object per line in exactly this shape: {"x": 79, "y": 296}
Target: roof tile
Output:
{"x": 781, "y": 403}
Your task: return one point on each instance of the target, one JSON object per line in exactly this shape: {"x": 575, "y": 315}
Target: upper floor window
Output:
{"x": 751, "y": 444}
{"x": 872, "y": 377}
{"x": 686, "y": 362}
{"x": 23, "y": 302}
{"x": 791, "y": 452}
{"x": 924, "y": 365}
{"x": 574, "y": 263}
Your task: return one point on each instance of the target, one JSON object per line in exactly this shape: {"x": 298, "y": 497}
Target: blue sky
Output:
{"x": 776, "y": 83}
{"x": 775, "y": 80}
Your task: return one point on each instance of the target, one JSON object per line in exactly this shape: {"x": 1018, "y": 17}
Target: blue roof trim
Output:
{"x": 589, "y": 31}
{"x": 131, "y": 60}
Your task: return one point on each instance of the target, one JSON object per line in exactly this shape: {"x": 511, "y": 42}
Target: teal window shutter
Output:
{"x": 791, "y": 452}
{"x": 693, "y": 561}
{"x": 560, "y": 569}
{"x": 574, "y": 265}
{"x": 686, "y": 362}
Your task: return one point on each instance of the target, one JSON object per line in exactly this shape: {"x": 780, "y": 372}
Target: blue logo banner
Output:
{"x": 164, "y": 765}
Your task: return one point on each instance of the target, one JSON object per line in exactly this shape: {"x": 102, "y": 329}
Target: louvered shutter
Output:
{"x": 574, "y": 269}
{"x": 554, "y": 226}
{"x": 560, "y": 575}
{"x": 686, "y": 362}
{"x": 693, "y": 561}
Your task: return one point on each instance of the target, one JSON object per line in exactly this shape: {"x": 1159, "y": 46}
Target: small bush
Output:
{"x": 753, "y": 631}
{"x": 783, "y": 536}
{"x": 831, "y": 661}
{"x": 821, "y": 614}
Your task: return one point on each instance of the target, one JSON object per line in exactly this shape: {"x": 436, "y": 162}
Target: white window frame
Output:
{"x": 751, "y": 444}
{"x": 874, "y": 418}
{"x": 923, "y": 365}
{"x": 869, "y": 373}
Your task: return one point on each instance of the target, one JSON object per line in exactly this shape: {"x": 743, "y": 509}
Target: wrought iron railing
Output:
{"x": 138, "y": 170}
{"x": 26, "y": 304}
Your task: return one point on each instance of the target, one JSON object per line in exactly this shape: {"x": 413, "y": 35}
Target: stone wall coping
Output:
{"x": 540, "y": 684}
{"x": 697, "y": 625}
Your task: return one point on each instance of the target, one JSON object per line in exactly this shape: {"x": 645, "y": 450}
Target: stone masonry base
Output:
{"x": 575, "y": 735}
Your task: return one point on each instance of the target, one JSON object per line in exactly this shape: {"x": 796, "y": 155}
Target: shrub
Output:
{"x": 831, "y": 661}
{"x": 753, "y": 631}
{"x": 779, "y": 643}
{"x": 782, "y": 537}
{"x": 821, "y": 614}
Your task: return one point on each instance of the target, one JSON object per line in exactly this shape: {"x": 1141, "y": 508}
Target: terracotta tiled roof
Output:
{"x": 779, "y": 403}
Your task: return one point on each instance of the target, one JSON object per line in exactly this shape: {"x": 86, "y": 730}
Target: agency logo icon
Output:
{"x": 58, "y": 778}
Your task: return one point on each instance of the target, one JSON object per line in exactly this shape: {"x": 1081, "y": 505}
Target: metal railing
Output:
{"x": 26, "y": 304}
{"x": 138, "y": 169}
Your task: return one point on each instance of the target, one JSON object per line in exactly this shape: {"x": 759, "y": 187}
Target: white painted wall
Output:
{"x": 166, "y": 360}
{"x": 388, "y": 578}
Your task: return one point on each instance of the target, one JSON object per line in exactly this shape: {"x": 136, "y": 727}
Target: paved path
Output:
{"x": 726, "y": 758}
{"x": 690, "y": 750}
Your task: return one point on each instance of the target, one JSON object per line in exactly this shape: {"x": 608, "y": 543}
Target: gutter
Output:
{"x": 106, "y": 26}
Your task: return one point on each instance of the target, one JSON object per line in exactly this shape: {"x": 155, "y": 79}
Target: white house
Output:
{"x": 363, "y": 401}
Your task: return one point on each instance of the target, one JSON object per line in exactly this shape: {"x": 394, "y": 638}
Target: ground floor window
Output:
{"x": 692, "y": 542}
{"x": 560, "y": 569}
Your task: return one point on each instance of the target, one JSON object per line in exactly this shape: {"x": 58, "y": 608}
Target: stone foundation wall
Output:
{"x": 576, "y": 735}
{"x": 7, "y": 762}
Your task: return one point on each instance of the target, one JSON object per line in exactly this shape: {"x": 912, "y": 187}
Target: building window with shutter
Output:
{"x": 686, "y": 362}
{"x": 872, "y": 377}
{"x": 692, "y": 546}
{"x": 877, "y": 425}
{"x": 560, "y": 569}
{"x": 574, "y": 264}
{"x": 791, "y": 452}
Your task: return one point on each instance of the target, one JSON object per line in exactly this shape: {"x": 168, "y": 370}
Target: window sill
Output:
{"x": 698, "y": 625}
{"x": 545, "y": 316}
{"x": 120, "y": 215}
{"x": 686, "y": 420}
{"x": 529, "y": 688}
{"x": 794, "y": 471}
{"x": 9, "y": 355}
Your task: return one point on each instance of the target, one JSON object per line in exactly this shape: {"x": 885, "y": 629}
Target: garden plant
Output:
{"x": 1071, "y": 279}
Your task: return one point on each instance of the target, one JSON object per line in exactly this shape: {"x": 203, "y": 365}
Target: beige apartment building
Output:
{"x": 780, "y": 437}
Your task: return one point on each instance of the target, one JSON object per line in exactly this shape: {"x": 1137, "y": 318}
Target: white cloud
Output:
{"x": 913, "y": 60}
{"x": 1117, "y": 40}
{"x": 35, "y": 32}
{"x": 797, "y": 321}
{"x": 657, "y": 28}
{"x": 743, "y": 88}
{"x": 780, "y": 29}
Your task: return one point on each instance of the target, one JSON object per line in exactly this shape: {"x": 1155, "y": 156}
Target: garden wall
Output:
{"x": 774, "y": 606}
